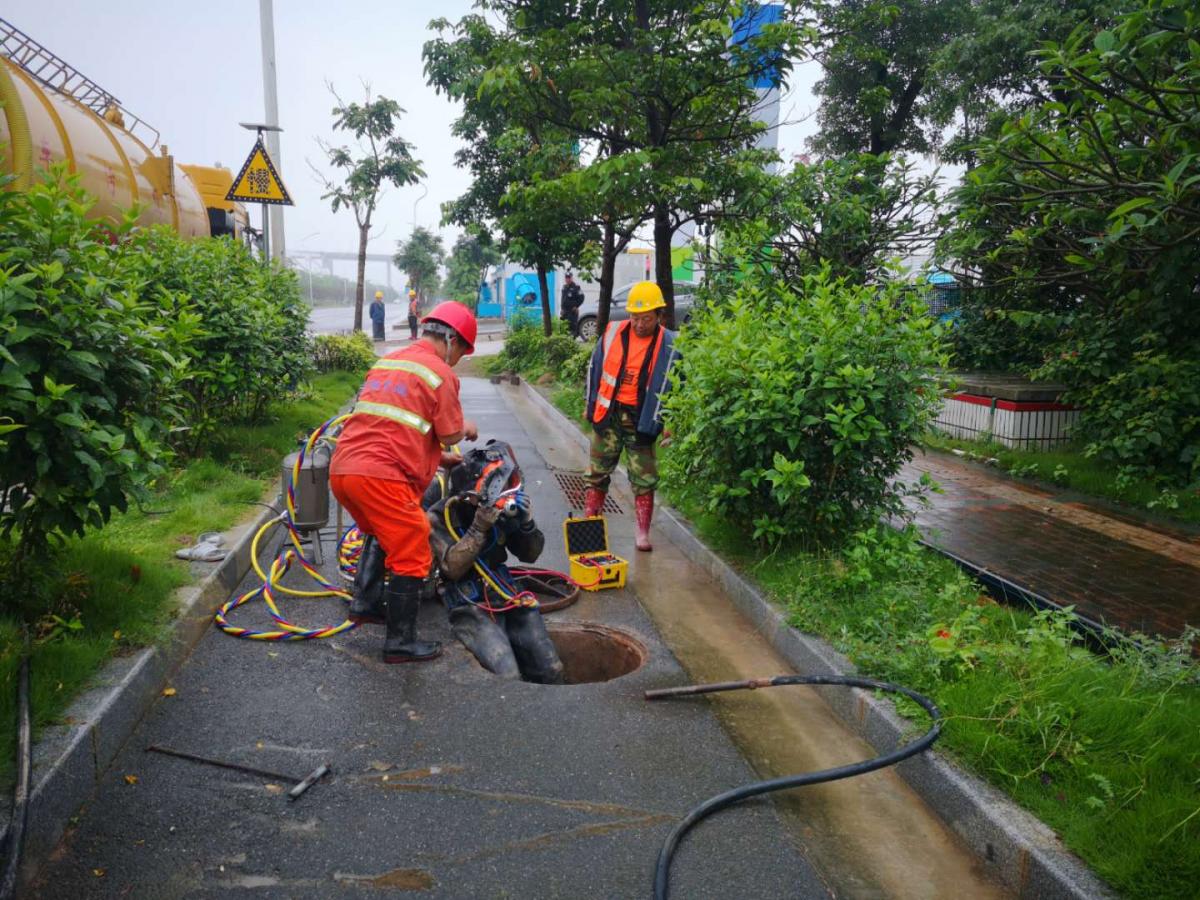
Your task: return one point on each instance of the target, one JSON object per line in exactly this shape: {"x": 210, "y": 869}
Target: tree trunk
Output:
{"x": 608, "y": 265}
{"x": 544, "y": 287}
{"x": 363, "y": 231}
{"x": 479, "y": 283}
{"x": 663, "y": 232}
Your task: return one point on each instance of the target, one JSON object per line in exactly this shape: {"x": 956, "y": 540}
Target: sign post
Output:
{"x": 259, "y": 182}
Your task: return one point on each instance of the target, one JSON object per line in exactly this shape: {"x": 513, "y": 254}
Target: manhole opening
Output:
{"x": 592, "y": 653}
{"x": 574, "y": 486}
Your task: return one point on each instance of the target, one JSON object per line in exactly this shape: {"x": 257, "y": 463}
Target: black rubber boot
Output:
{"x": 486, "y": 640}
{"x": 403, "y": 600}
{"x": 366, "y": 605}
{"x": 536, "y": 654}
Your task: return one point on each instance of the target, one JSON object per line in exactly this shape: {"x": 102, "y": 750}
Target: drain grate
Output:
{"x": 574, "y": 486}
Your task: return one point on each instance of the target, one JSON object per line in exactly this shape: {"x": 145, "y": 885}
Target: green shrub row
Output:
{"x": 118, "y": 349}
{"x": 796, "y": 404}
{"x": 529, "y": 351}
{"x": 343, "y": 353}
{"x": 245, "y": 323}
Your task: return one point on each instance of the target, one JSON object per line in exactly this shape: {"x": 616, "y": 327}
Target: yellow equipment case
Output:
{"x": 592, "y": 566}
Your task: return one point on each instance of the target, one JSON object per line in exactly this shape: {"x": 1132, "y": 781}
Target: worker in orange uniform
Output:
{"x": 388, "y": 452}
{"x": 412, "y": 313}
{"x": 627, "y": 377}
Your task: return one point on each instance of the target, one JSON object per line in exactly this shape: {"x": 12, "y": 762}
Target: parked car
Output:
{"x": 685, "y": 292}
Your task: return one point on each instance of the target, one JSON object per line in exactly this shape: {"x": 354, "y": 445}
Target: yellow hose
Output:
{"x": 20, "y": 139}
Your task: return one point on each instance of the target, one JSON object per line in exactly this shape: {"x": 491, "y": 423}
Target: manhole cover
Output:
{"x": 574, "y": 486}
{"x": 592, "y": 653}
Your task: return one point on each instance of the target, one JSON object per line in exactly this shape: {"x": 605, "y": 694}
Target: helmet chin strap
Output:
{"x": 447, "y": 334}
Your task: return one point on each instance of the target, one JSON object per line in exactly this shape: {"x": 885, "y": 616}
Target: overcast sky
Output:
{"x": 194, "y": 70}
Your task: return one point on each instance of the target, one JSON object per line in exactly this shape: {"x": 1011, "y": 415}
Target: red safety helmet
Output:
{"x": 456, "y": 316}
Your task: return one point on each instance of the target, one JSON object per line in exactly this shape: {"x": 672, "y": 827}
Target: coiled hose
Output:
{"x": 662, "y": 872}
{"x": 349, "y": 551}
{"x": 290, "y": 553}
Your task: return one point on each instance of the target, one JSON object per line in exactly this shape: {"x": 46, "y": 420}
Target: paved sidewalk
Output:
{"x": 1113, "y": 569}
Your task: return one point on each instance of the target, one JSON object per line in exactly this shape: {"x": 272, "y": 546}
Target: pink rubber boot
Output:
{"x": 593, "y": 500}
{"x": 645, "y": 512}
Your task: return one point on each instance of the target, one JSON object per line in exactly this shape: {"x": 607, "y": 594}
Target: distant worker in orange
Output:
{"x": 387, "y": 454}
{"x": 412, "y": 313}
{"x": 627, "y": 377}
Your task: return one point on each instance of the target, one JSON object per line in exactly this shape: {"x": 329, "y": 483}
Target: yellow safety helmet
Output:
{"x": 645, "y": 296}
{"x": 379, "y": 295}
{"x": 411, "y": 292}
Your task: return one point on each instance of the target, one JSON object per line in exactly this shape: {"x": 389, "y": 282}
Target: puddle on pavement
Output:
{"x": 396, "y": 879}
{"x": 868, "y": 836}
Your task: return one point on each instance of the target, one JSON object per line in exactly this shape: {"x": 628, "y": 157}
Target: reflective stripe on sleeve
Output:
{"x": 430, "y": 377}
{"x": 395, "y": 413}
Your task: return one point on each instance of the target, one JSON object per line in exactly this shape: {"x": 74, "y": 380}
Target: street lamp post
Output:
{"x": 266, "y": 20}
{"x": 424, "y": 194}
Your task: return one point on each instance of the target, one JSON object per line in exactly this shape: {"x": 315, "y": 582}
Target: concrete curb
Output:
{"x": 1013, "y": 846}
{"x": 69, "y": 759}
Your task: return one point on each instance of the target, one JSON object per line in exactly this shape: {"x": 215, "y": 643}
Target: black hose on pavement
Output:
{"x": 662, "y": 873}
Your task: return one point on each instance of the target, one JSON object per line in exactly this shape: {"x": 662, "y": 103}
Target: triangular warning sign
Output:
{"x": 258, "y": 182}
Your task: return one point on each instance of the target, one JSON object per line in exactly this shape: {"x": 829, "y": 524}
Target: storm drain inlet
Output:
{"x": 574, "y": 486}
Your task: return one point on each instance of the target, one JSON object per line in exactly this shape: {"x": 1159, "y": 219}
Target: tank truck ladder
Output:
{"x": 59, "y": 75}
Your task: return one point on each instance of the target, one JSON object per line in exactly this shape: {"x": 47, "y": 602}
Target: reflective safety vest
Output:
{"x": 607, "y": 367}
{"x": 406, "y": 400}
{"x": 385, "y": 390}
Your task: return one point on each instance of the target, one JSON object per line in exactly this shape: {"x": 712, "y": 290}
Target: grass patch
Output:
{"x": 1067, "y": 467}
{"x": 568, "y": 399}
{"x": 111, "y": 590}
{"x": 1102, "y": 750}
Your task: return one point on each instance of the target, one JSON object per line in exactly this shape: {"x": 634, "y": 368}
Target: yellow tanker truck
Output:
{"x": 51, "y": 113}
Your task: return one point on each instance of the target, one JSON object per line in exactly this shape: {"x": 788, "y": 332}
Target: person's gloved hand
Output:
{"x": 524, "y": 507}
{"x": 485, "y": 517}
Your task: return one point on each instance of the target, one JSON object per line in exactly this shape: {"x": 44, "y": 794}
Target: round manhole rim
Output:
{"x": 634, "y": 653}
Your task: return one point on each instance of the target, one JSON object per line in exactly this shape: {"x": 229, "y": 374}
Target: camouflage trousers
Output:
{"x": 620, "y": 433}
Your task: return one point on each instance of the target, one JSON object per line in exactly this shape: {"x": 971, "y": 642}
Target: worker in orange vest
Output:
{"x": 627, "y": 377}
{"x": 412, "y": 313}
{"x": 388, "y": 452}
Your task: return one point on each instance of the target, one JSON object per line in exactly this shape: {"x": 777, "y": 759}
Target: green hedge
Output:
{"x": 118, "y": 349}
{"x": 796, "y": 404}
{"x": 343, "y": 353}
{"x": 246, "y": 326}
